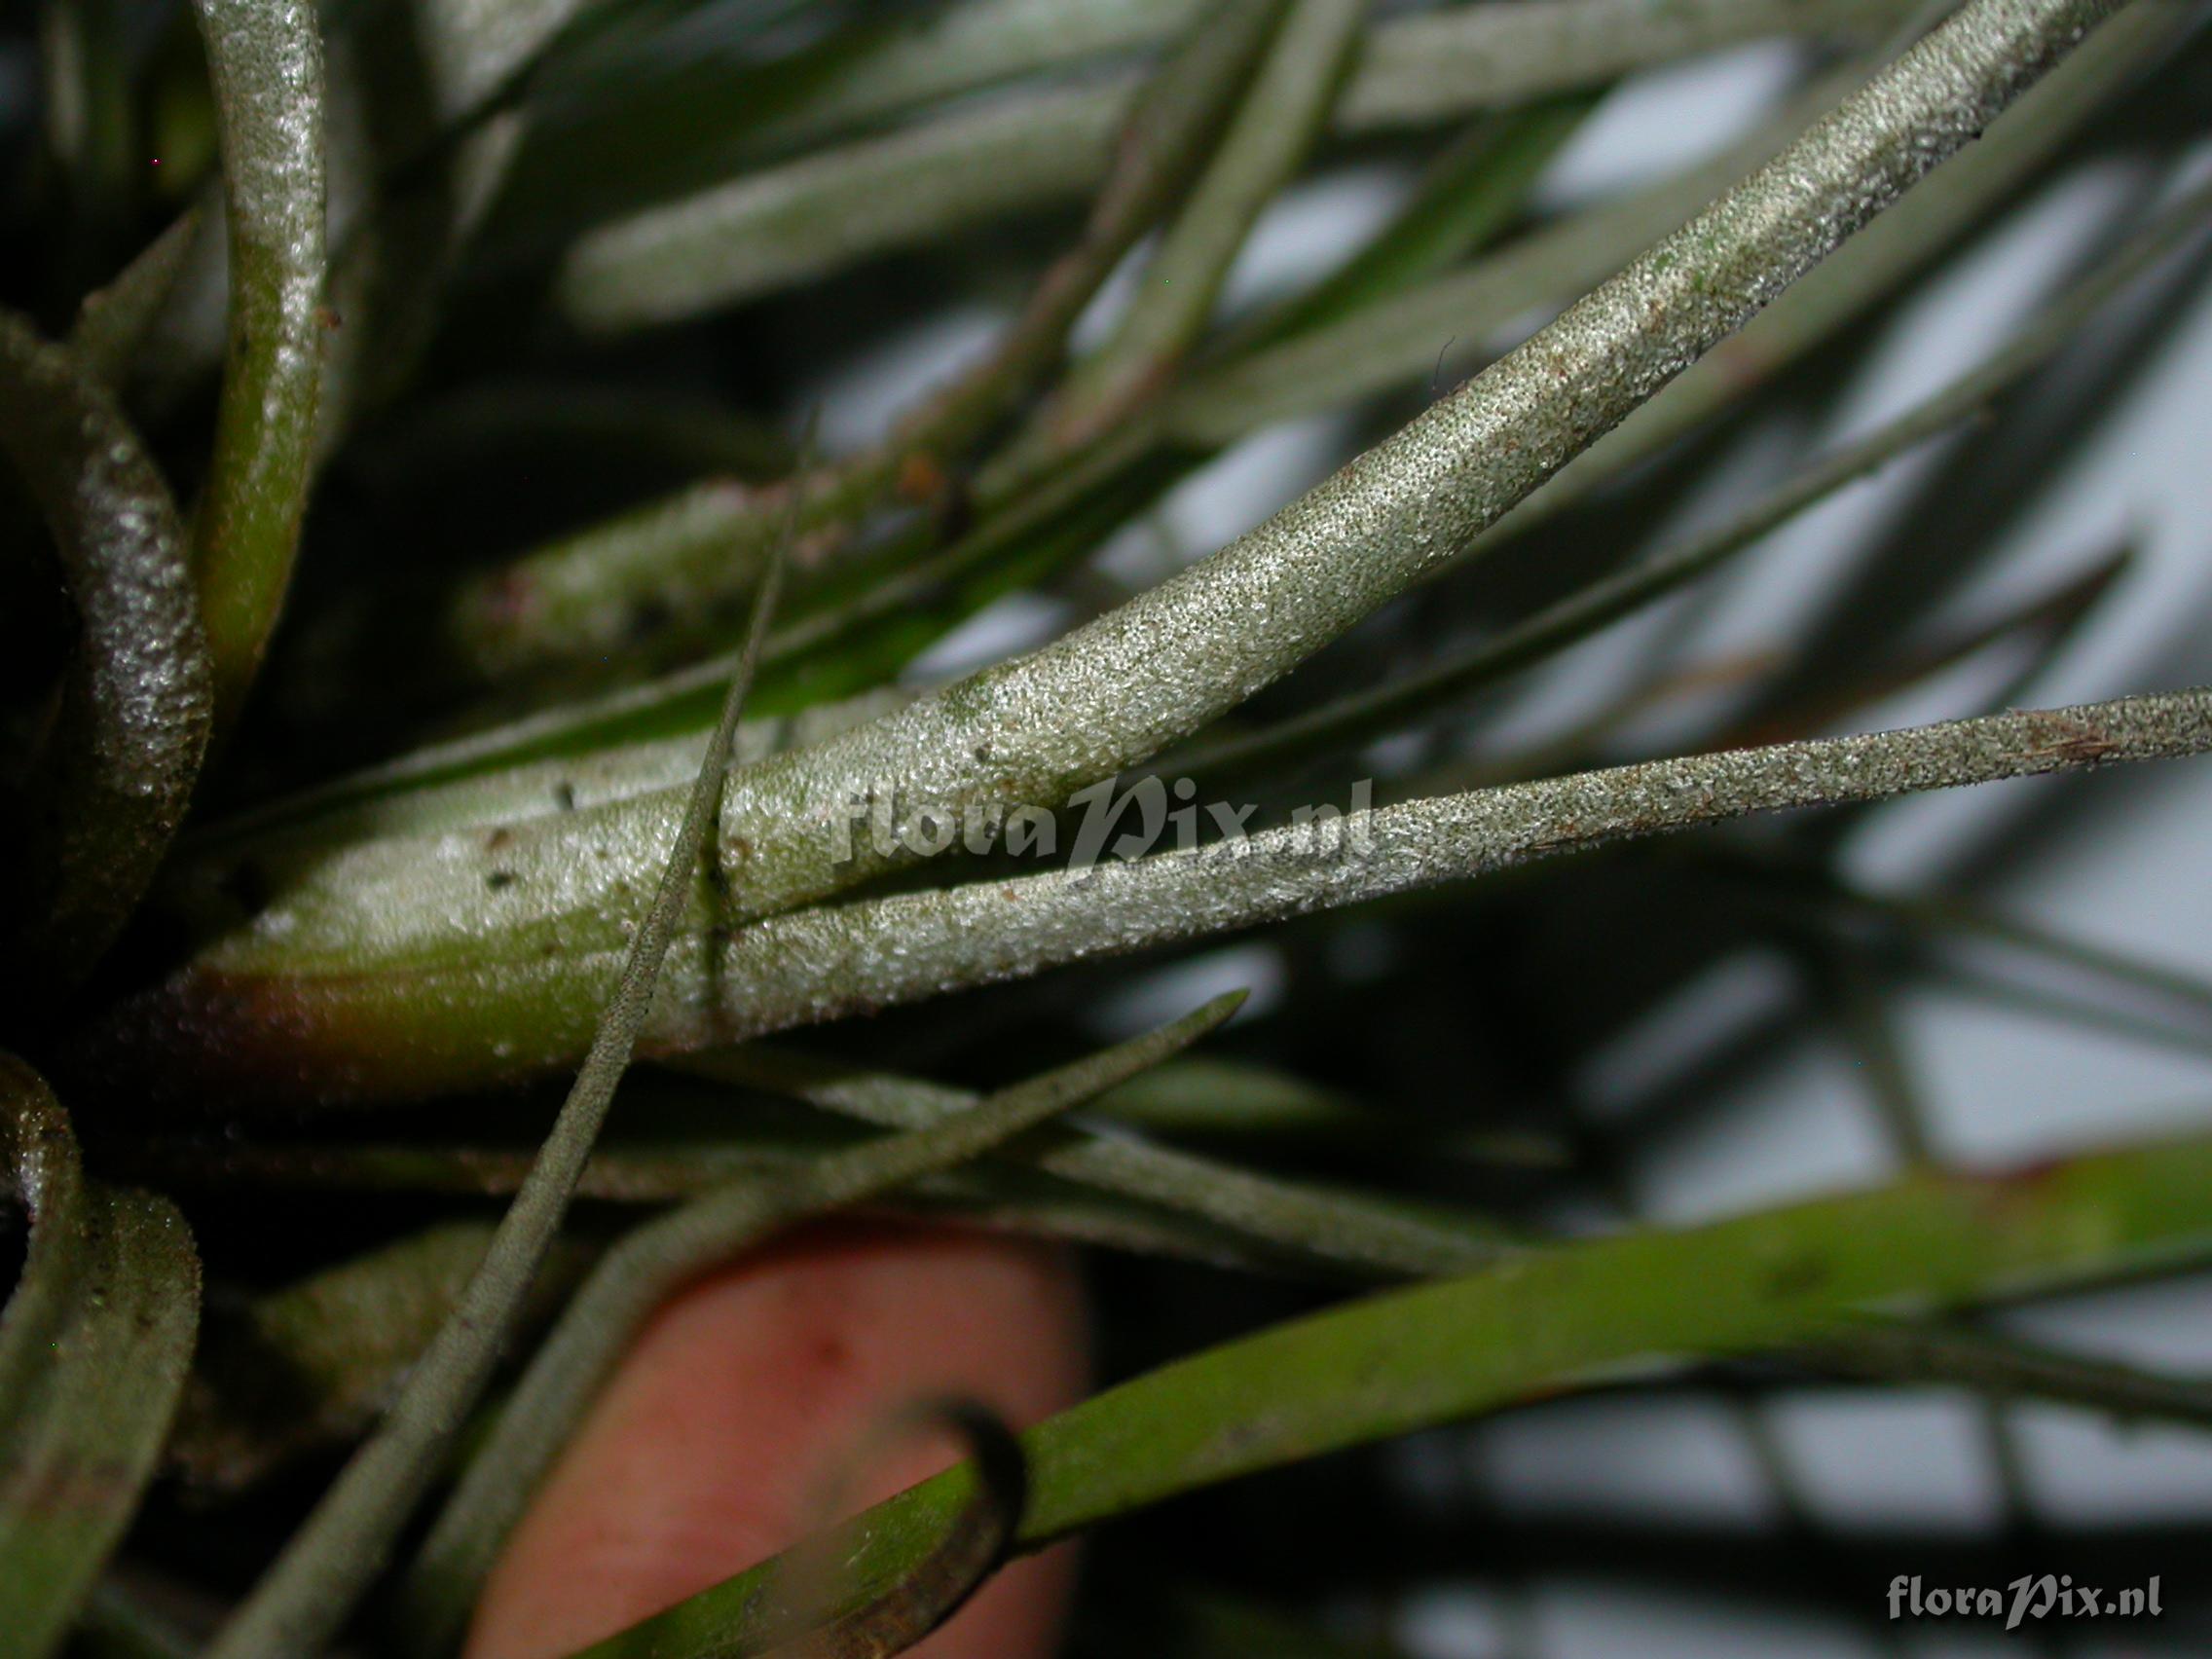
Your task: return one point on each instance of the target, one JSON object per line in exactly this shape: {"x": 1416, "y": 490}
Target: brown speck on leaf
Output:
{"x": 2074, "y": 741}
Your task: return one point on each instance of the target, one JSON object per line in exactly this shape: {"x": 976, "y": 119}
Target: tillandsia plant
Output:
{"x": 493, "y": 646}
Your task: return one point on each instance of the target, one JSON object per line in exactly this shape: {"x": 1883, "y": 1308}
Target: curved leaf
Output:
{"x": 118, "y": 770}
{"x": 95, "y": 1344}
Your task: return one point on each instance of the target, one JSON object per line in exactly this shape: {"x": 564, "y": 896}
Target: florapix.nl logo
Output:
{"x": 1126, "y": 821}
{"x": 2037, "y": 1596}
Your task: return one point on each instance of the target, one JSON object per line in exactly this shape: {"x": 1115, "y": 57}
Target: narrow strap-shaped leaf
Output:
{"x": 299, "y": 1009}
{"x": 1413, "y": 339}
{"x": 1394, "y": 342}
{"x": 967, "y": 48}
{"x": 117, "y": 772}
{"x": 1367, "y": 714}
{"x": 2001, "y": 1367}
{"x": 1466, "y": 196}
{"x": 1927, "y": 918}
{"x": 674, "y": 1172}
{"x": 1029, "y": 528}
{"x": 411, "y": 796}
{"x": 578, "y": 598}
{"x": 95, "y": 1344}
{"x": 640, "y": 1272}
{"x": 1342, "y": 1230}
{"x": 775, "y": 226}
{"x": 942, "y": 53}
{"x": 302, "y": 1601}
{"x": 871, "y": 954}
{"x": 265, "y": 57}
{"x": 1557, "y": 1318}
{"x": 1284, "y": 109}
{"x": 1873, "y": 266}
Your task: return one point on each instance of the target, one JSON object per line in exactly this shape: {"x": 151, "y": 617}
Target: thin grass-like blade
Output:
{"x": 1344, "y": 1231}
{"x": 114, "y": 323}
{"x": 1469, "y": 194}
{"x": 2000, "y": 1368}
{"x": 1283, "y": 109}
{"x": 303, "y": 1600}
{"x": 629, "y": 1171}
{"x": 652, "y": 1261}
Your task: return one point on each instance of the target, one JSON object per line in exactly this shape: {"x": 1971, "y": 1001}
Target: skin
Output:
{"x": 741, "y": 1405}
